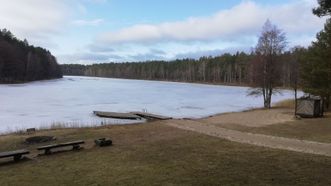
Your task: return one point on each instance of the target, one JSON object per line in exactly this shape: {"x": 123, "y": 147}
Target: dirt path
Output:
{"x": 254, "y": 139}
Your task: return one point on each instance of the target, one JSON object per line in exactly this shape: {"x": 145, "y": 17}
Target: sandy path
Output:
{"x": 254, "y": 139}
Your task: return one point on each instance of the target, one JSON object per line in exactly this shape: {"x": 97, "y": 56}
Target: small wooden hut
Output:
{"x": 311, "y": 106}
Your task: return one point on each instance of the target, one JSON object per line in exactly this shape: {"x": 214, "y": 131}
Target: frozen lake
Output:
{"x": 71, "y": 100}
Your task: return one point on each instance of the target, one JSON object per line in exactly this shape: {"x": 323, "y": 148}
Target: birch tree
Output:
{"x": 265, "y": 73}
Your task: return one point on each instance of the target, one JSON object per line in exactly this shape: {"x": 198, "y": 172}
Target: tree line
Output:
{"x": 231, "y": 69}
{"x": 21, "y": 62}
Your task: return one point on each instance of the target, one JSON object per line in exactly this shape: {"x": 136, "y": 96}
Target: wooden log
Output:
{"x": 103, "y": 142}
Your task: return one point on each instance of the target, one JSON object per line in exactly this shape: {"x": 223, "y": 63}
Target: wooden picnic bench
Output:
{"x": 17, "y": 154}
{"x": 75, "y": 146}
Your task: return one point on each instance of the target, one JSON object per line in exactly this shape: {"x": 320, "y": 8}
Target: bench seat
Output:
{"x": 74, "y": 144}
{"x": 17, "y": 154}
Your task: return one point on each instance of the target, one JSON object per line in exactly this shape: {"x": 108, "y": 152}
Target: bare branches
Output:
{"x": 265, "y": 67}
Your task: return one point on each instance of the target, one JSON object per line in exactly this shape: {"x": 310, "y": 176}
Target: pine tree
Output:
{"x": 316, "y": 69}
{"x": 324, "y": 8}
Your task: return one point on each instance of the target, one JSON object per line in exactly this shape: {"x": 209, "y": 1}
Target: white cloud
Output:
{"x": 32, "y": 15}
{"x": 240, "y": 21}
{"x": 98, "y": 1}
{"x": 50, "y": 24}
{"x": 34, "y": 19}
{"x": 94, "y": 22}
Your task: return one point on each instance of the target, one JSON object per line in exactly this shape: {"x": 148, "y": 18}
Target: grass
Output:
{"x": 314, "y": 129}
{"x": 155, "y": 154}
{"x": 73, "y": 125}
{"x": 288, "y": 103}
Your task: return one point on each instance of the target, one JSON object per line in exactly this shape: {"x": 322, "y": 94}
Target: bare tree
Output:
{"x": 265, "y": 67}
{"x": 296, "y": 57}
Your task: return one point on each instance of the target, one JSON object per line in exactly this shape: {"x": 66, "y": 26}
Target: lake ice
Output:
{"x": 72, "y": 100}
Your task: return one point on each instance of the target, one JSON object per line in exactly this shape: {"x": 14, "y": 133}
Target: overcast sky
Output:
{"x": 89, "y": 31}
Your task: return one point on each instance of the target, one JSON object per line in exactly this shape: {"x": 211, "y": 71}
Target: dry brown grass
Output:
{"x": 154, "y": 154}
{"x": 276, "y": 122}
{"x": 314, "y": 129}
{"x": 289, "y": 103}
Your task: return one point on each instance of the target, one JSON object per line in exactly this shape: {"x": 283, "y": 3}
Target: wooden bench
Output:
{"x": 16, "y": 154}
{"x": 75, "y": 146}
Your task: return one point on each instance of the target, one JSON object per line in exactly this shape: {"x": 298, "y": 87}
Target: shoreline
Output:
{"x": 96, "y": 126}
{"x": 25, "y": 82}
{"x": 167, "y": 81}
{"x": 245, "y": 85}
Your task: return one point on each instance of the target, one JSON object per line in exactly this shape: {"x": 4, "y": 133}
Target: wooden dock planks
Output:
{"x": 151, "y": 116}
{"x": 131, "y": 115}
{"x": 117, "y": 115}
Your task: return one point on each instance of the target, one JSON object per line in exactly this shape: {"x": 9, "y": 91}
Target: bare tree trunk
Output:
{"x": 268, "y": 98}
{"x": 264, "y": 97}
{"x": 322, "y": 106}
{"x": 295, "y": 100}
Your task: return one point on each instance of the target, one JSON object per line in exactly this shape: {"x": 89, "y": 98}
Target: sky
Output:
{"x": 95, "y": 31}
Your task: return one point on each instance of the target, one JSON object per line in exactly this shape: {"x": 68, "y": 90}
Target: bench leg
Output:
{"x": 17, "y": 157}
{"x": 48, "y": 151}
{"x": 75, "y": 147}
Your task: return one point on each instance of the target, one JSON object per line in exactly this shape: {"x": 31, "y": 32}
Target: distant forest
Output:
{"x": 21, "y": 62}
{"x": 231, "y": 69}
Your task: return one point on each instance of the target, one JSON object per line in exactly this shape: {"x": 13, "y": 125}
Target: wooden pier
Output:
{"x": 151, "y": 116}
{"x": 117, "y": 115}
{"x": 131, "y": 115}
